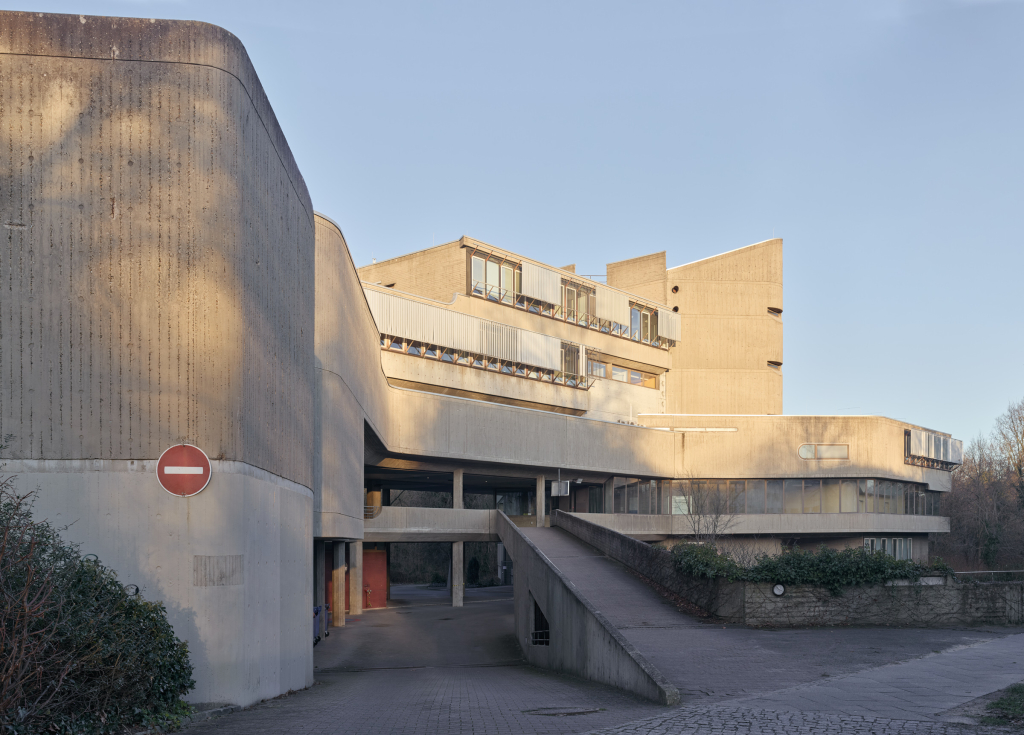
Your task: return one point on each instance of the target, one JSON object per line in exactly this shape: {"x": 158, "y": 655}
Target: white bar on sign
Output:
{"x": 183, "y": 470}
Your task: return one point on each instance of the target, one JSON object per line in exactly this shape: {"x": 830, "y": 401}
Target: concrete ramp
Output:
{"x": 560, "y": 629}
{"x": 623, "y": 598}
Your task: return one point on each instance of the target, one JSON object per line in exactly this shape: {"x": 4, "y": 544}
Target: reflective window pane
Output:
{"x": 812, "y": 497}
{"x": 833, "y": 451}
{"x": 807, "y": 451}
{"x": 634, "y": 324}
{"x": 849, "y": 493}
{"x": 773, "y": 497}
{"x": 737, "y": 497}
{"x": 755, "y": 496}
{"x": 620, "y": 373}
{"x": 478, "y": 275}
{"x": 793, "y": 491}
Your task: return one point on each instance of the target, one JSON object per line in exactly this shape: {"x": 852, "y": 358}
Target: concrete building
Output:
{"x": 167, "y": 281}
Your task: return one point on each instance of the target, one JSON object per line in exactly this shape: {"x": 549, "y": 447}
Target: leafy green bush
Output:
{"x": 828, "y": 568}
{"x": 78, "y": 652}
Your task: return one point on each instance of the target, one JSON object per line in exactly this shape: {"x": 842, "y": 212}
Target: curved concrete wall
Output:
{"x": 157, "y": 261}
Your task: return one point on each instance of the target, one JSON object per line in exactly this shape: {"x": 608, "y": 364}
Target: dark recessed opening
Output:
{"x": 541, "y": 632}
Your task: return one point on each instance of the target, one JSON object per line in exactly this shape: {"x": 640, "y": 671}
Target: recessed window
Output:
{"x": 414, "y": 349}
{"x": 396, "y": 344}
{"x": 620, "y": 373}
{"x": 824, "y": 451}
{"x": 774, "y": 365}
{"x": 447, "y": 356}
{"x": 675, "y": 289}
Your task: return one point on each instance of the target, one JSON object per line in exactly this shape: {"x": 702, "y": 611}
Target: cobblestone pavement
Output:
{"x": 423, "y": 667}
{"x": 710, "y": 720}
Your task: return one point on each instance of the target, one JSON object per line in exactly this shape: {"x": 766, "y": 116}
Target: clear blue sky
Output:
{"x": 882, "y": 140}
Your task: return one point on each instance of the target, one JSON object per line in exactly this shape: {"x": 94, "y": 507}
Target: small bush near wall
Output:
{"x": 834, "y": 570}
{"x": 78, "y": 652}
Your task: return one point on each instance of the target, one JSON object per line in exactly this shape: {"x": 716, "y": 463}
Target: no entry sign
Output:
{"x": 183, "y": 470}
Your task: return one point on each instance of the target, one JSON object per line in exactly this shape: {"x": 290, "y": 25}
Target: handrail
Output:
{"x": 371, "y": 511}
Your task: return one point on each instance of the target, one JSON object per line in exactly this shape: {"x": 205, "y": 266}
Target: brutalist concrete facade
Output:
{"x": 157, "y": 263}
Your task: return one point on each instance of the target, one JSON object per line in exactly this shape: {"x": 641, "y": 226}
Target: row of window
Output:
{"x": 622, "y": 374}
{"x": 569, "y": 377}
{"x": 901, "y": 548}
{"x": 680, "y": 497}
{"x": 500, "y": 280}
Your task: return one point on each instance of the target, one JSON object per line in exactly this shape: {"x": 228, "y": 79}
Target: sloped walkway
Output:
{"x": 714, "y": 662}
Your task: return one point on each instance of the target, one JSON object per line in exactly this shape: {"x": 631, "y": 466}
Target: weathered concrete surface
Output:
{"x": 582, "y": 641}
{"x": 415, "y": 525}
{"x": 657, "y": 527}
{"x": 157, "y": 248}
{"x": 157, "y": 254}
{"x": 249, "y": 634}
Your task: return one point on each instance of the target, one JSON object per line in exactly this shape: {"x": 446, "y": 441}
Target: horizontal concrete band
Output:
{"x": 142, "y": 466}
{"x": 432, "y": 524}
{"x": 652, "y": 526}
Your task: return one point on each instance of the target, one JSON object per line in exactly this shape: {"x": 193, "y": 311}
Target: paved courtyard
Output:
{"x": 422, "y": 666}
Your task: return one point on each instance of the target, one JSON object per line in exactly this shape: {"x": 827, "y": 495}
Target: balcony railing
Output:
{"x": 572, "y": 316}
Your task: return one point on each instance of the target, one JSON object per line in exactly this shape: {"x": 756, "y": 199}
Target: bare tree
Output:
{"x": 986, "y": 527}
{"x": 1009, "y": 437}
{"x": 707, "y": 509}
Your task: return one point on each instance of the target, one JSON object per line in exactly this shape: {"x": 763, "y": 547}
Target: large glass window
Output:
{"x": 755, "y": 496}
{"x": 849, "y": 492}
{"x": 619, "y": 495}
{"x": 737, "y": 497}
{"x": 645, "y": 327}
{"x": 773, "y": 497}
{"x": 634, "y": 324}
{"x": 645, "y": 498}
{"x": 792, "y": 503}
{"x": 830, "y": 496}
{"x": 620, "y": 373}
{"x": 633, "y": 497}
{"x": 812, "y": 497}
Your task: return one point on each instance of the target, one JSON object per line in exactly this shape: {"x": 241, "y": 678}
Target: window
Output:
{"x": 755, "y": 496}
{"x": 833, "y": 451}
{"x": 830, "y": 496}
{"x": 849, "y": 495}
{"x": 634, "y": 324}
{"x": 870, "y": 544}
{"x": 773, "y": 497}
{"x": 791, "y": 500}
{"x": 541, "y": 634}
{"x": 813, "y": 497}
{"x": 414, "y": 349}
{"x": 645, "y": 327}
{"x": 507, "y": 284}
{"x": 636, "y": 377}
{"x": 448, "y": 356}
{"x": 620, "y": 373}
{"x": 478, "y": 276}
{"x": 493, "y": 282}
{"x": 597, "y": 369}
{"x": 824, "y": 451}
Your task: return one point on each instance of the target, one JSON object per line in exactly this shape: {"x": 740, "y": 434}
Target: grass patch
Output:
{"x": 1008, "y": 709}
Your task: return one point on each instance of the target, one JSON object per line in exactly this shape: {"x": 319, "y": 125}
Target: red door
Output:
{"x": 375, "y": 579}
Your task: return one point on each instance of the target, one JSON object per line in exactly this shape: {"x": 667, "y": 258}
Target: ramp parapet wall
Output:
{"x": 930, "y": 602}
{"x": 582, "y": 641}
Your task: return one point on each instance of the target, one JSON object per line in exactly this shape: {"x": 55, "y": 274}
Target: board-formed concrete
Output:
{"x": 157, "y": 255}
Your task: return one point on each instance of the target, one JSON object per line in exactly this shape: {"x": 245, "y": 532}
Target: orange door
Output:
{"x": 375, "y": 579}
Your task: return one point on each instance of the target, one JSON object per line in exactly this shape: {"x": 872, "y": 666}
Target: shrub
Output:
{"x": 78, "y": 652}
{"x": 828, "y": 568}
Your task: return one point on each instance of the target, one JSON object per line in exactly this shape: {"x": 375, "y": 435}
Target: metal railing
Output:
{"x": 371, "y": 511}
{"x": 573, "y": 316}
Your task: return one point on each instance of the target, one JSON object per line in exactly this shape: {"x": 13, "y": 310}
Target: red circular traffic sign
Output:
{"x": 183, "y": 470}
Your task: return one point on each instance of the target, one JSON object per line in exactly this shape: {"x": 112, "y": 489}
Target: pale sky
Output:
{"x": 881, "y": 140}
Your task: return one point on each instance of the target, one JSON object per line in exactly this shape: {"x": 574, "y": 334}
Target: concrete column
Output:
{"x": 458, "y": 573}
{"x": 540, "y": 501}
{"x": 338, "y": 585}
{"x": 319, "y": 572}
{"x": 355, "y": 578}
{"x": 457, "y": 501}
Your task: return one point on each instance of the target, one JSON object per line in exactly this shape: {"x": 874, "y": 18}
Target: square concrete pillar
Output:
{"x": 355, "y": 578}
{"x": 319, "y": 573}
{"x": 457, "y": 501}
{"x": 458, "y": 573}
{"x": 338, "y": 585}
{"x": 540, "y": 501}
